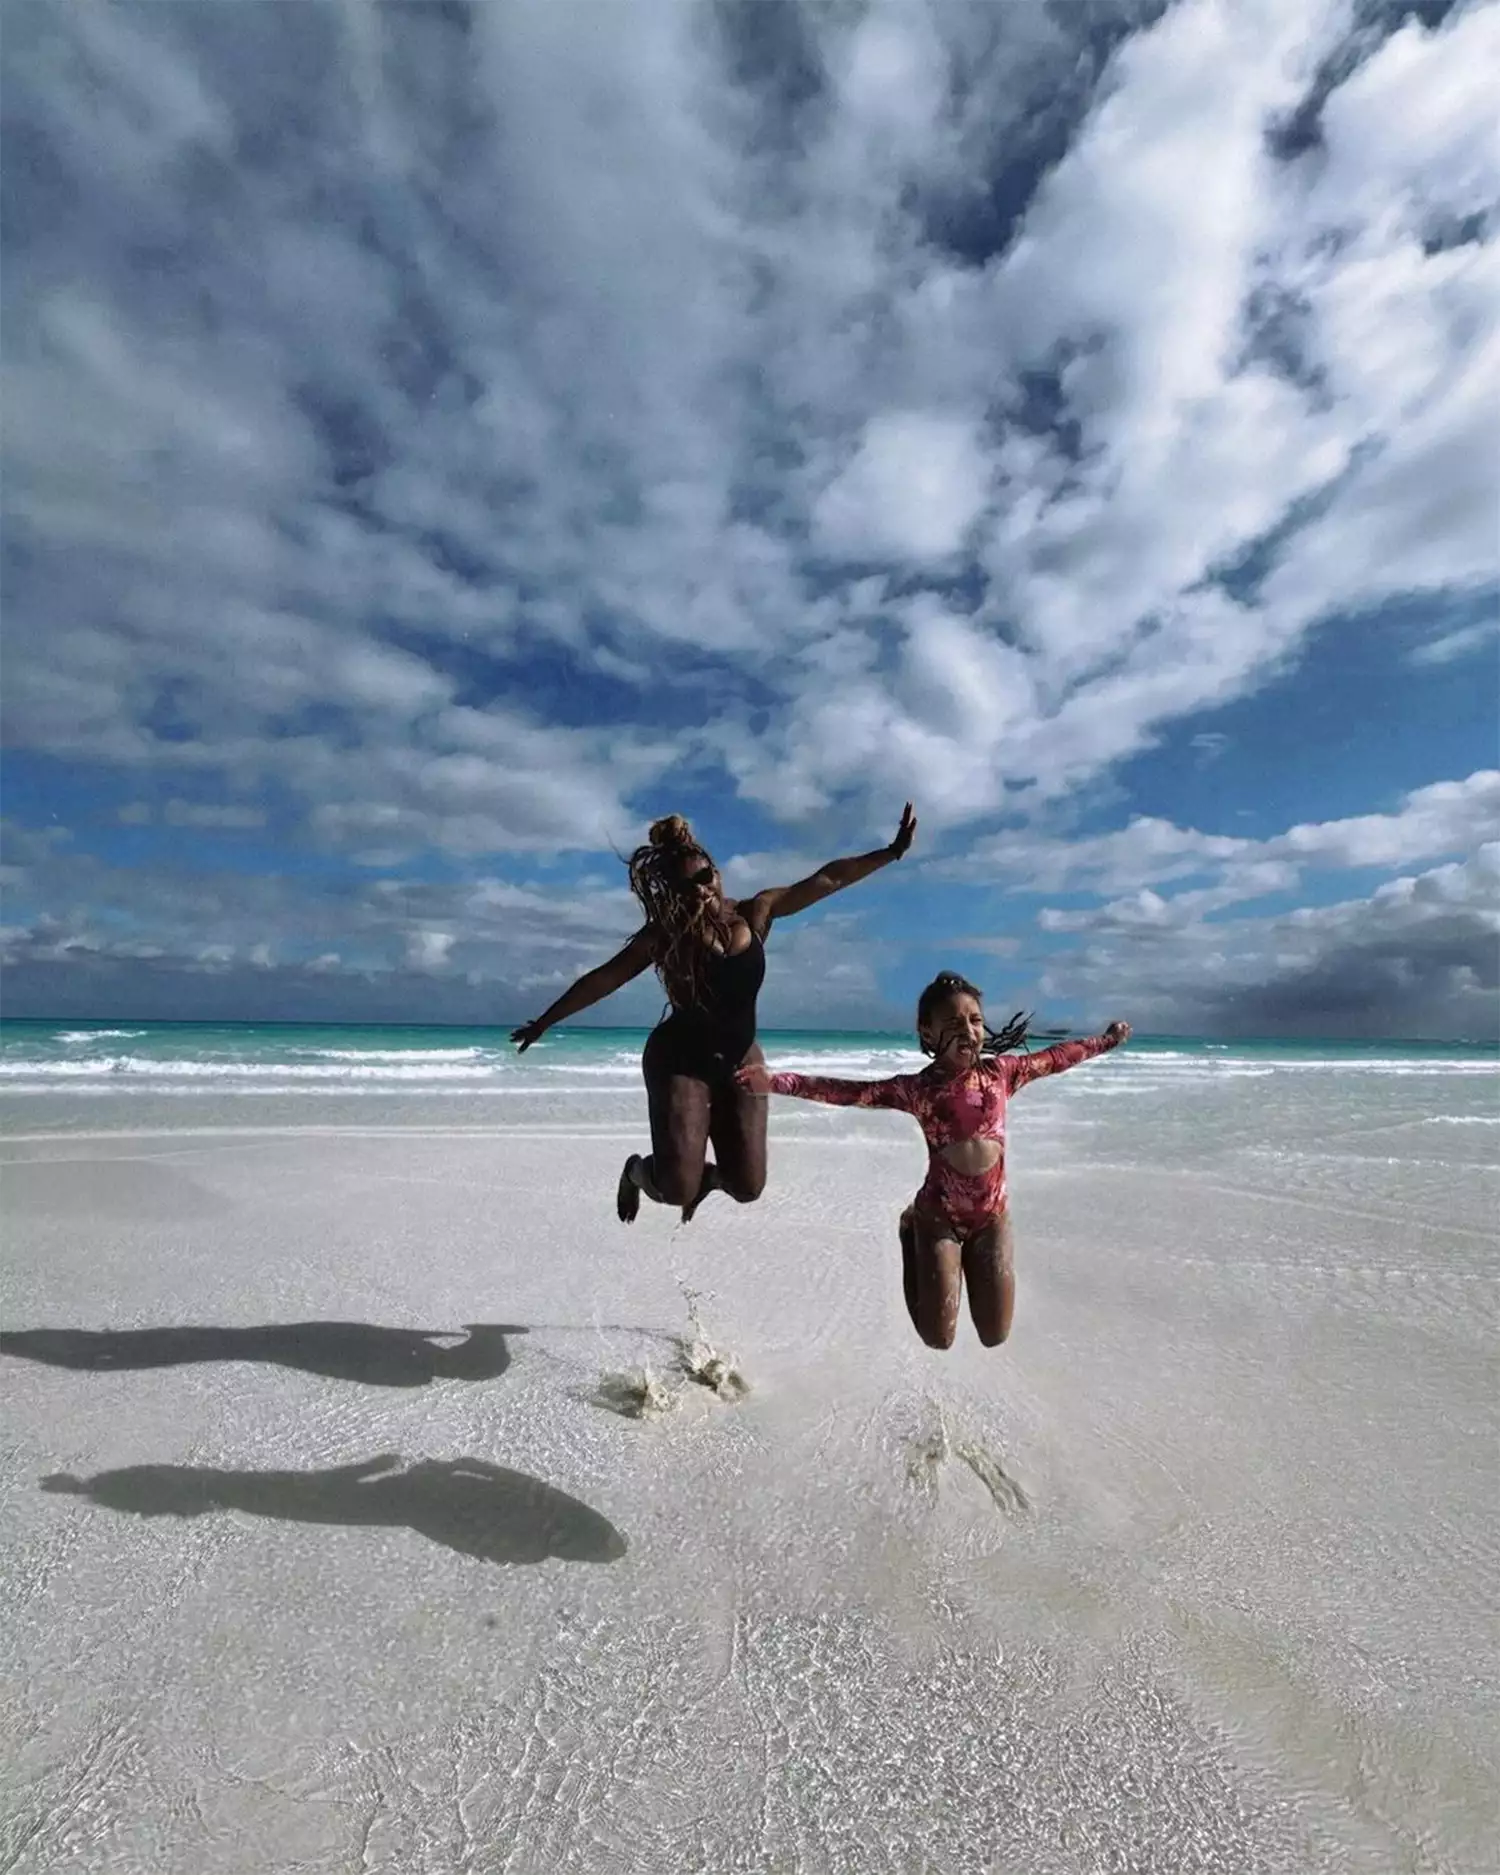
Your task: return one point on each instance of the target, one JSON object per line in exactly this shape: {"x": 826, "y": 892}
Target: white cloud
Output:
{"x": 514, "y": 390}
{"x": 783, "y": 364}
{"x": 745, "y": 873}
{"x": 428, "y": 950}
{"x": 176, "y": 813}
{"x": 1419, "y": 957}
{"x": 1445, "y": 817}
{"x": 1138, "y": 257}
{"x": 1448, "y": 647}
{"x": 915, "y": 487}
{"x": 1406, "y": 337}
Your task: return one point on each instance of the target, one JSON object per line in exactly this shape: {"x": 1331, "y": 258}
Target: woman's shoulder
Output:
{"x": 746, "y": 911}
{"x": 736, "y": 913}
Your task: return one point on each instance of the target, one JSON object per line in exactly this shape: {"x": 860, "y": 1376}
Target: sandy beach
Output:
{"x": 329, "y": 1547}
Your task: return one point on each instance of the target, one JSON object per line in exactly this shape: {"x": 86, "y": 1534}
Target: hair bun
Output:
{"x": 671, "y": 830}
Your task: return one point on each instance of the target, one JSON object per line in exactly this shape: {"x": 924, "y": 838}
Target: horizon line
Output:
{"x": 1056, "y": 1032}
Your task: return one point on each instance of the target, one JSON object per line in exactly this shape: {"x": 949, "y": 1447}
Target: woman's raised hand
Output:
{"x": 754, "y": 1077}
{"x": 1117, "y": 1032}
{"x": 905, "y": 833}
{"x": 528, "y": 1033}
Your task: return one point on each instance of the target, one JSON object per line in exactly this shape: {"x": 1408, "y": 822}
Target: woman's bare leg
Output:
{"x": 634, "y": 1179}
{"x": 737, "y": 1130}
{"x": 937, "y": 1263}
{"x": 679, "y": 1105}
{"x": 989, "y": 1268}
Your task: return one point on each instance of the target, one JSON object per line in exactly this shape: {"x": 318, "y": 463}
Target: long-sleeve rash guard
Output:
{"x": 950, "y": 1108}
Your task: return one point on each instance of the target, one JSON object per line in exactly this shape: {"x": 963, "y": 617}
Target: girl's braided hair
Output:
{"x": 685, "y": 923}
{"x": 948, "y": 983}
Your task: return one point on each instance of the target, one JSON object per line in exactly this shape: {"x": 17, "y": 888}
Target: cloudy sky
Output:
{"x": 439, "y": 438}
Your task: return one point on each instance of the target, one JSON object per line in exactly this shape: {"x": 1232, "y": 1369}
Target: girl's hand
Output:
{"x": 754, "y": 1077}
{"x": 528, "y": 1033}
{"x": 905, "y": 833}
{"x": 1116, "y": 1033}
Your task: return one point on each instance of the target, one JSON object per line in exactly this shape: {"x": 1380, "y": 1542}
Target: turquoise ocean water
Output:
{"x": 1163, "y": 1099}
{"x": 112, "y": 1060}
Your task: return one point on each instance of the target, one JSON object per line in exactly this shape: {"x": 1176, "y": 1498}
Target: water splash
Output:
{"x": 703, "y": 1363}
{"x": 638, "y": 1393}
{"x": 931, "y": 1450}
{"x": 1005, "y": 1490}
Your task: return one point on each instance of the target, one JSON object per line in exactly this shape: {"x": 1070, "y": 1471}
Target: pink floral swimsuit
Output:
{"x": 950, "y": 1108}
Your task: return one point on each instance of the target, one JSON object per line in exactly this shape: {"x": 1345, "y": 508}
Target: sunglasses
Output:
{"x": 691, "y": 881}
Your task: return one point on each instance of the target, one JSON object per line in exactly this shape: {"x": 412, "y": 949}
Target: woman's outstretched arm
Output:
{"x": 784, "y": 901}
{"x": 592, "y": 987}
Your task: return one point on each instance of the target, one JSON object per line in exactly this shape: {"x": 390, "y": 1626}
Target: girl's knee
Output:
{"x": 938, "y": 1335}
{"x": 992, "y": 1333}
{"x": 743, "y": 1189}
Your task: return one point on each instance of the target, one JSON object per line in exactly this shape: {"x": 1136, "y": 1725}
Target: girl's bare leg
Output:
{"x": 937, "y": 1264}
{"x": 908, "y": 1233}
{"x": 988, "y": 1266}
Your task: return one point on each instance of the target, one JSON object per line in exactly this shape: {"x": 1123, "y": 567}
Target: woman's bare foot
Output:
{"x": 710, "y": 1182}
{"x": 628, "y": 1193}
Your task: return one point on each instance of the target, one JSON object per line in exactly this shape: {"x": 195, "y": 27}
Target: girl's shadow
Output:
{"x": 465, "y": 1504}
{"x": 380, "y": 1357}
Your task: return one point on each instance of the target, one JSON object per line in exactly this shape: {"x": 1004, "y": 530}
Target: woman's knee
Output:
{"x": 743, "y": 1187}
{"x": 939, "y": 1335}
{"x": 673, "y": 1181}
{"x": 992, "y": 1333}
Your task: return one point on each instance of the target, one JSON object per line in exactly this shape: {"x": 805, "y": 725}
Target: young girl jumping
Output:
{"x": 958, "y": 1225}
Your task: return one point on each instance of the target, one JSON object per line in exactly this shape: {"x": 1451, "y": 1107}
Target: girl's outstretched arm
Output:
{"x": 784, "y": 901}
{"x": 1019, "y": 1069}
{"x": 894, "y": 1093}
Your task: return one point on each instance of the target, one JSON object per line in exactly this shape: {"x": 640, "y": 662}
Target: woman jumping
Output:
{"x": 709, "y": 952}
{"x": 958, "y": 1225}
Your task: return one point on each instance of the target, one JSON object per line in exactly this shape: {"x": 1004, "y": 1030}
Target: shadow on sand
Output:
{"x": 380, "y": 1357}
{"x": 465, "y": 1504}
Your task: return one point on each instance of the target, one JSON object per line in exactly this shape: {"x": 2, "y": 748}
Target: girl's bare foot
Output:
{"x": 710, "y": 1182}
{"x": 628, "y": 1194}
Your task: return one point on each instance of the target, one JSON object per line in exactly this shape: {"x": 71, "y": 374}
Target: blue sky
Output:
{"x": 440, "y": 439}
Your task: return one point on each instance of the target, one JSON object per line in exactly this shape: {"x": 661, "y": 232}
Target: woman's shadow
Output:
{"x": 467, "y": 1505}
{"x": 380, "y": 1357}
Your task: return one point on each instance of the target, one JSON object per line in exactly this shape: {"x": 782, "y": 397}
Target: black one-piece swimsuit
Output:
{"x": 711, "y": 1038}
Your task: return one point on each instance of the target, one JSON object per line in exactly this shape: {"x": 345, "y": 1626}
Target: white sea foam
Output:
{"x": 242, "y": 1070}
{"x": 399, "y": 1055}
{"x": 99, "y": 1035}
{"x": 870, "y": 1064}
{"x": 616, "y": 1065}
{"x": 125, "y": 1087}
{"x": 1376, "y": 1065}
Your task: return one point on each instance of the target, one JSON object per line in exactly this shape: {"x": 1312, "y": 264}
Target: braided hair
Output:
{"x": 948, "y": 983}
{"x": 685, "y": 923}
